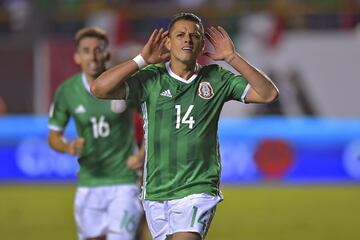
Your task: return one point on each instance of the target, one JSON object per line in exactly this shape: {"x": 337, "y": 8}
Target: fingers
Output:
{"x": 153, "y": 35}
{"x": 158, "y": 35}
{"x": 213, "y": 35}
{"x": 164, "y": 34}
{"x": 216, "y": 33}
{"x": 154, "y": 50}
{"x": 223, "y": 32}
{"x": 162, "y": 43}
{"x": 210, "y": 38}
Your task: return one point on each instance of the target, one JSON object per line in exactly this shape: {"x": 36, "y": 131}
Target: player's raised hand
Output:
{"x": 222, "y": 43}
{"x": 154, "y": 50}
{"x": 76, "y": 146}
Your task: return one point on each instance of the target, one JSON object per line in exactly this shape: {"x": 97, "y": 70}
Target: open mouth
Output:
{"x": 187, "y": 49}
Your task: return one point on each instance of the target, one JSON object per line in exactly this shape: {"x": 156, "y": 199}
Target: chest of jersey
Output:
{"x": 94, "y": 115}
{"x": 185, "y": 105}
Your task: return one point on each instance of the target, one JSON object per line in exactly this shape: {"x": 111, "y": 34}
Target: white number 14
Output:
{"x": 186, "y": 119}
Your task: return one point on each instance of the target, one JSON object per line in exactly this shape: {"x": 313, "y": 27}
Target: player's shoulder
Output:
{"x": 211, "y": 69}
{"x": 159, "y": 67}
{"x": 151, "y": 72}
{"x": 71, "y": 82}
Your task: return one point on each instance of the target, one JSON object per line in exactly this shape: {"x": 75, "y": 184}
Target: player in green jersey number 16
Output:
{"x": 106, "y": 201}
{"x": 181, "y": 103}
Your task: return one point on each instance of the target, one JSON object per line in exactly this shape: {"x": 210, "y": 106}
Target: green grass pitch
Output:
{"x": 261, "y": 212}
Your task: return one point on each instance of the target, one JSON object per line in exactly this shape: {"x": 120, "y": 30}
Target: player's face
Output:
{"x": 92, "y": 55}
{"x": 185, "y": 41}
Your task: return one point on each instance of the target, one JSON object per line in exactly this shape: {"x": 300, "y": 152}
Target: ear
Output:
{"x": 167, "y": 43}
{"x": 77, "y": 58}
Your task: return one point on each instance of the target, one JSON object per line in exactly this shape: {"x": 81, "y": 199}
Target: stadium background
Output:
{"x": 290, "y": 170}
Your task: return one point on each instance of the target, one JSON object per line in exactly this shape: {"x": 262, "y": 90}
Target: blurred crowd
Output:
{"x": 257, "y": 26}
{"x": 61, "y": 16}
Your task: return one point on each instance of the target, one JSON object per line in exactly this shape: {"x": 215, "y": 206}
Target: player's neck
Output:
{"x": 89, "y": 78}
{"x": 183, "y": 70}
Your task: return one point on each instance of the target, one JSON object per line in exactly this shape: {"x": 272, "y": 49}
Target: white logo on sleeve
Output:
{"x": 80, "y": 109}
{"x": 166, "y": 93}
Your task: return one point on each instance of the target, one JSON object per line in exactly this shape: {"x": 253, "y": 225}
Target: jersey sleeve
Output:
{"x": 237, "y": 85}
{"x": 58, "y": 115}
{"x": 138, "y": 85}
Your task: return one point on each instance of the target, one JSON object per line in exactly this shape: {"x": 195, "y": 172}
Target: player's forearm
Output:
{"x": 258, "y": 81}
{"x": 110, "y": 84}
{"x": 58, "y": 142}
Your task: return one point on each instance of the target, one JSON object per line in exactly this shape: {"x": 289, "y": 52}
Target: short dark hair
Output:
{"x": 186, "y": 16}
{"x": 91, "y": 32}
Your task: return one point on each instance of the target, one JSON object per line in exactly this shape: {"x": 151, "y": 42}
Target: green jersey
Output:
{"x": 180, "y": 124}
{"x": 106, "y": 126}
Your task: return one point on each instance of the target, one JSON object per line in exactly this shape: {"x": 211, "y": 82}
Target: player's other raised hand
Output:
{"x": 154, "y": 50}
{"x": 222, "y": 43}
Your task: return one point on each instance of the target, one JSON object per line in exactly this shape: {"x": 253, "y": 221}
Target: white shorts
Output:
{"x": 103, "y": 210}
{"x": 189, "y": 214}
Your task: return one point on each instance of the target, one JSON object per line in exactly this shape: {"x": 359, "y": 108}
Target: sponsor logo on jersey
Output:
{"x": 118, "y": 106}
{"x": 80, "y": 109}
{"x": 205, "y": 90}
{"x": 166, "y": 93}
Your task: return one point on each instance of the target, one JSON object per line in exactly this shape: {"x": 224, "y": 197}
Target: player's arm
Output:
{"x": 110, "y": 84}
{"x": 58, "y": 142}
{"x": 262, "y": 90}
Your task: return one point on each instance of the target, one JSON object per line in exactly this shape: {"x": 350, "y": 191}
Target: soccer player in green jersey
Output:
{"x": 106, "y": 202}
{"x": 181, "y": 103}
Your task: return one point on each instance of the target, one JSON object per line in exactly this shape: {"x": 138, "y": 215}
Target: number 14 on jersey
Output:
{"x": 186, "y": 119}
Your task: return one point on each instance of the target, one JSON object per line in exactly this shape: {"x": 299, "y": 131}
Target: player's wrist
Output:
{"x": 229, "y": 58}
{"x": 140, "y": 61}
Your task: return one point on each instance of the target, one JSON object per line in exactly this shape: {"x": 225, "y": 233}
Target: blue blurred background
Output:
{"x": 294, "y": 150}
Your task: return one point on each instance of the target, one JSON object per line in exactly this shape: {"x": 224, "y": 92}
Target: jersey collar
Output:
{"x": 86, "y": 84}
{"x": 173, "y": 75}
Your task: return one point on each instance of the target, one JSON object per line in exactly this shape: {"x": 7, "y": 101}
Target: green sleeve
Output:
{"x": 139, "y": 84}
{"x": 237, "y": 85}
{"x": 59, "y": 114}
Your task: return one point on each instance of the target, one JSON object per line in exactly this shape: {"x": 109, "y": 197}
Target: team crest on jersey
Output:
{"x": 118, "y": 106}
{"x": 205, "y": 90}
